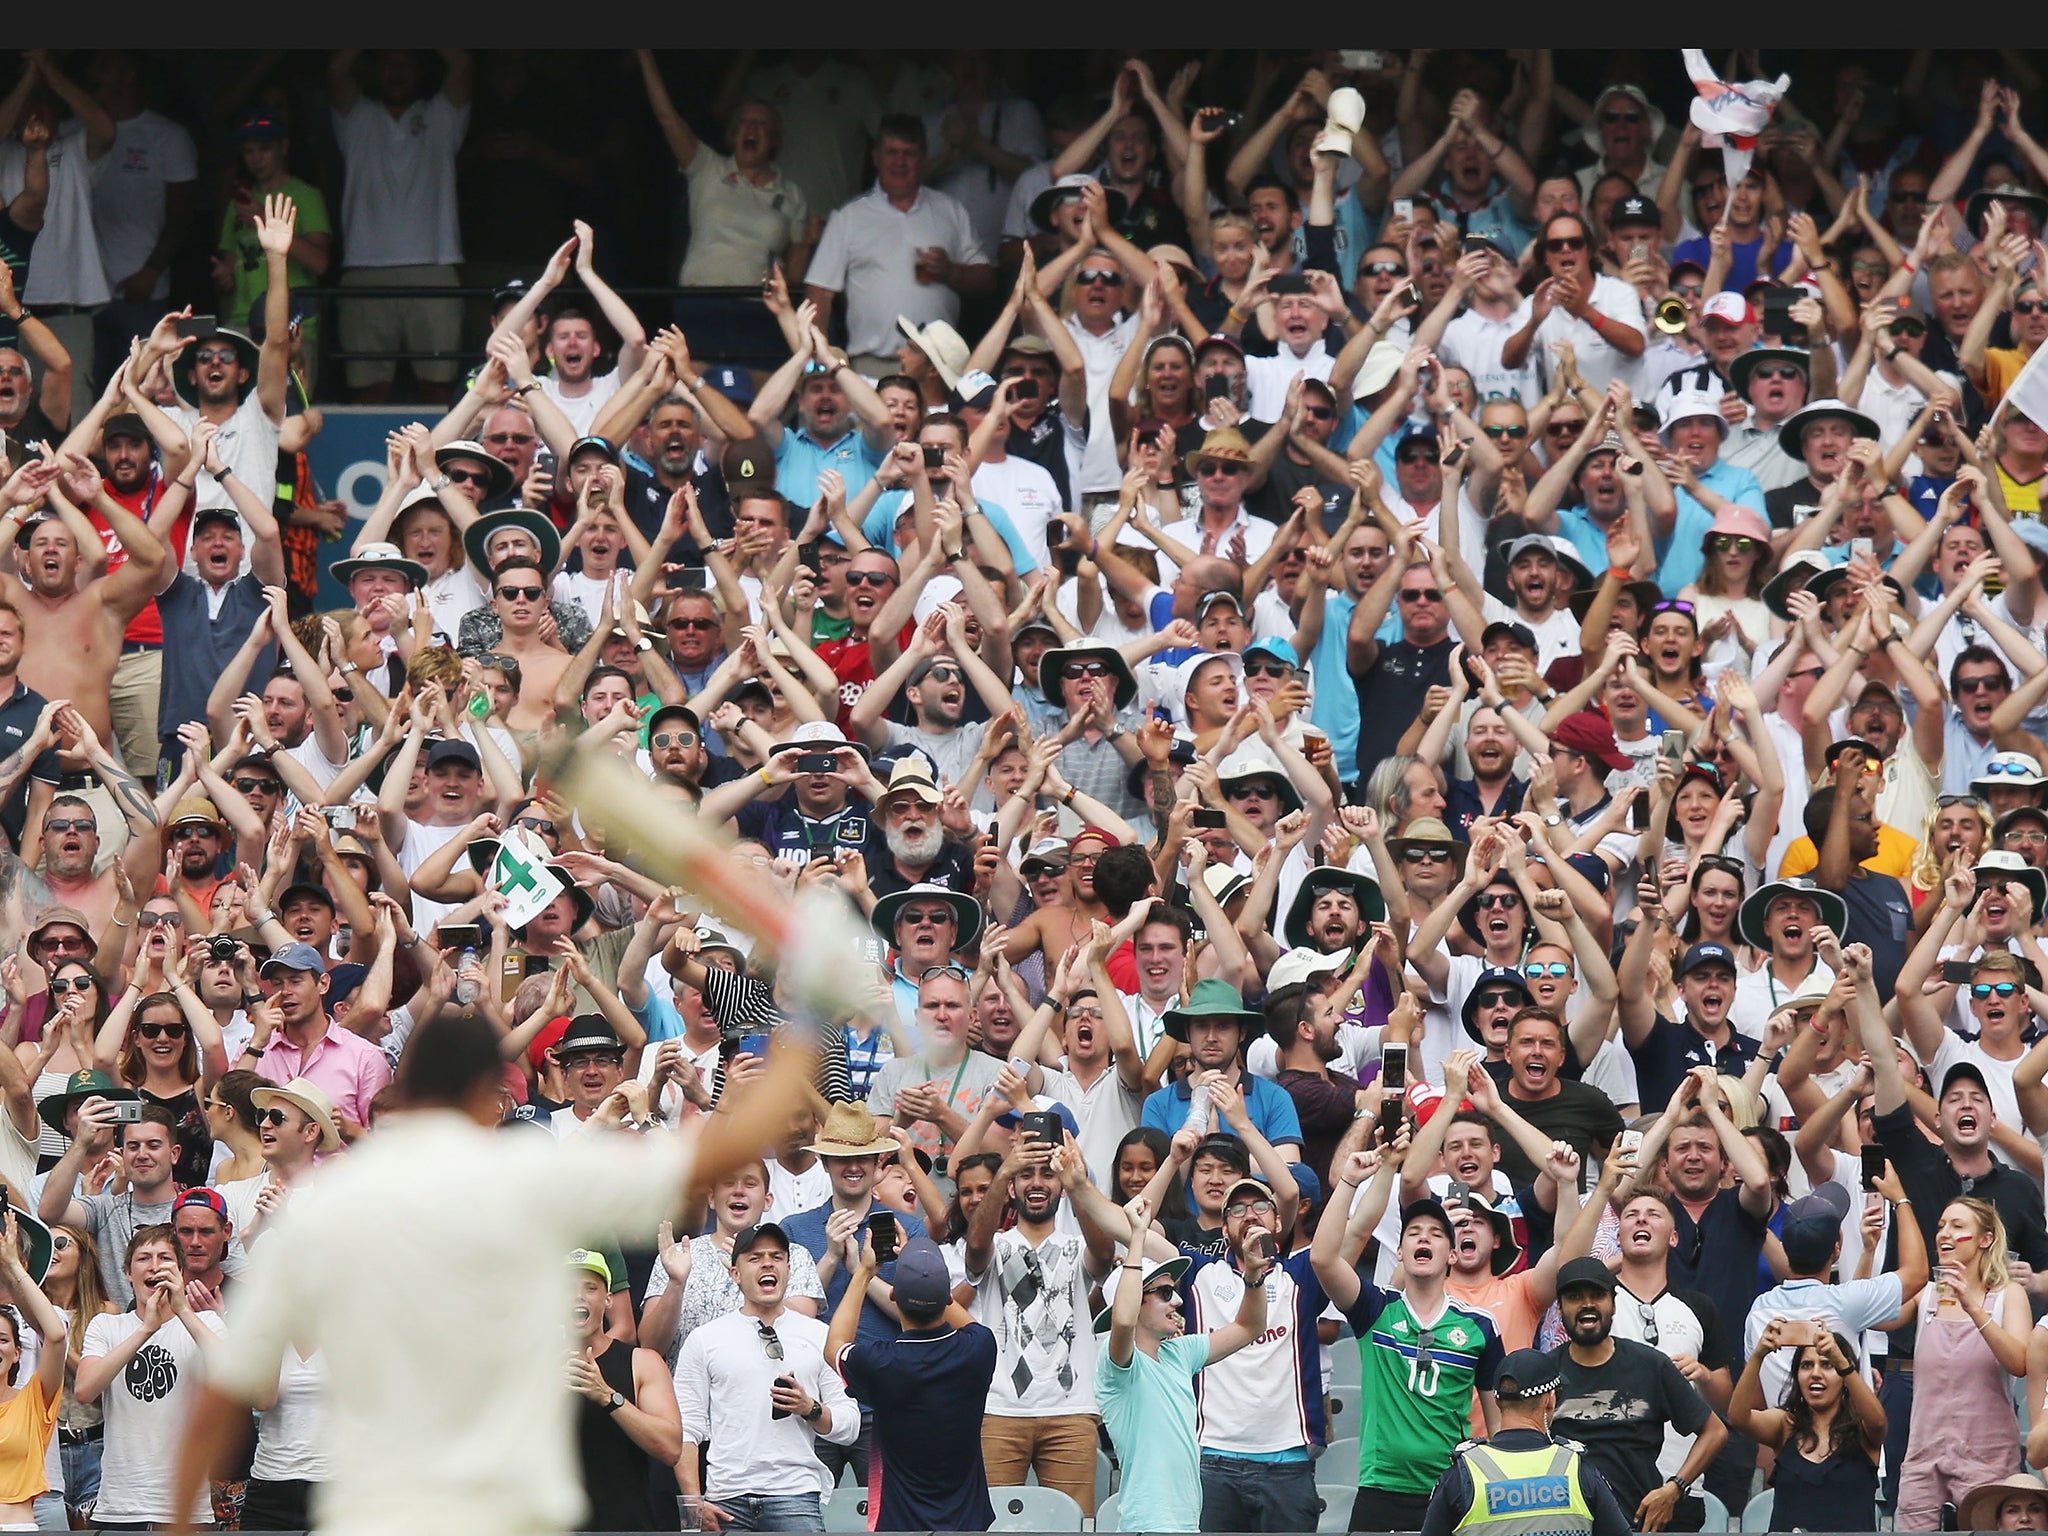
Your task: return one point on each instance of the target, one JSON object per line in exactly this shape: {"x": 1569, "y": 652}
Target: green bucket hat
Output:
{"x": 1211, "y": 999}
{"x": 78, "y": 1087}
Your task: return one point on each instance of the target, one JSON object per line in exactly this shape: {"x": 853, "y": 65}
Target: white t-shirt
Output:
{"x": 1271, "y": 377}
{"x": 735, "y": 226}
{"x": 398, "y": 196}
{"x": 582, "y": 409}
{"x": 291, "y": 1436}
{"x": 146, "y": 1406}
{"x": 869, "y": 254}
{"x": 789, "y": 1193}
{"x": 1474, "y": 343}
{"x": 421, "y": 843}
{"x": 1758, "y": 994}
{"x": 1557, "y": 633}
{"x": 1035, "y": 1301}
{"x": 723, "y": 1378}
{"x": 248, "y": 442}
{"x": 1471, "y": 526}
{"x": 1027, "y": 493}
{"x": 65, "y": 267}
{"x": 1600, "y": 364}
{"x": 150, "y": 152}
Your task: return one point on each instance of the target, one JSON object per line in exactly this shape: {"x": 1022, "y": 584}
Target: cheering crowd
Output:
{"x": 1421, "y": 725}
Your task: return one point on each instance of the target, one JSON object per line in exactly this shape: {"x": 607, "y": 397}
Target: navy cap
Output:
{"x": 1812, "y": 1225}
{"x": 748, "y": 1236}
{"x": 1707, "y": 954}
{"x": 451, "y": 751}
{"x": 736, "y": 384}
{"x": 263, "y": 123}
{"x": 1431, "y": 1207}
{"x": 1520, "y": 633}
{"x": 295, "y": 957}
{"x": 1527, "y": 1374}
{"x": 921, "y": 1275}
{"x": 1963, "y": 1071}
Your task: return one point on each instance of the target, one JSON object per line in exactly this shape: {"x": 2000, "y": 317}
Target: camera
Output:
{"x": 221, "y": 947}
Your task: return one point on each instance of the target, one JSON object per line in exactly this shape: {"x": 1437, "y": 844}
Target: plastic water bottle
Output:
{"x": 465, "y": 988}
{"x": 1198, "y": 1109}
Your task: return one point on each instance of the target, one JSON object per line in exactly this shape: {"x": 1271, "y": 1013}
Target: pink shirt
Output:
{"x": 348, "y": 1067}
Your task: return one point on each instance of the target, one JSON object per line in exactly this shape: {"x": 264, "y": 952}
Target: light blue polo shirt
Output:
{"x": 801, "y": 458}
{"x": 879, "y": 528}
{"x": 1680, "y": 559}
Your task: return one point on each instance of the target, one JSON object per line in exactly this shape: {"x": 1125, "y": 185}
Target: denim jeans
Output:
{"x": 773, "y": 1512}
{"x": 1240, "y": 1495}
{"x": 82, "y": 1472}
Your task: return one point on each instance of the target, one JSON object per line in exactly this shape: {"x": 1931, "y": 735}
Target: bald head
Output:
{"x": 1210, "y": 573}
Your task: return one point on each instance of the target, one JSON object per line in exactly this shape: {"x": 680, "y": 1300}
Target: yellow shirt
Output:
{"x": 2020, "y": 497}
{"x": 2001, "y": 366}
{"x": 27, "y": 1420}
{"x": 1894, "y": 856}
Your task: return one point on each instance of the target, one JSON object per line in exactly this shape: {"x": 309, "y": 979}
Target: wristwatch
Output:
{"x": 1554, "y": 819}
{"x": 816, "y": 1413}
{"x": 618, "y": 1401}
{"x": 1683, "y": 1485}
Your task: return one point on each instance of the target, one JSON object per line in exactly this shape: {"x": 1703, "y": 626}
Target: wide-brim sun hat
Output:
{"x": 1051, "y": 668}
{"x": 966, "y": 912}
{"x": 1749, "y": 920}
{"x": 1795, "y": 425}
{"x": 1365, "y": 891}
{"x": 380, "y": 557}
{"x": 1747, "y": 363}
{"x": 499, "y": 472}
{"x": 538, "y": 524}
{"x": 311, "y": 1100}
{"x": 246, "y": 352}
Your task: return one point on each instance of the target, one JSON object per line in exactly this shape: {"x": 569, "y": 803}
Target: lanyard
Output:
{"x": 958, "y": 1073}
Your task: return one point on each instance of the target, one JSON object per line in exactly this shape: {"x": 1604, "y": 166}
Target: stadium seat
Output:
{"x": 1756, "y": 1514}
{"x": 1105, "y": 1514}
{"x": 1342, "y": 1405}
{"x": 846, "y": 1509}
{"x": 1105, "y": 1476}
{"x": 1027, "y": 1507}
{"x": 1717, "y": 1513}
{"x": 1337, "y": 1502}
{"x": 1339, "y": 1462}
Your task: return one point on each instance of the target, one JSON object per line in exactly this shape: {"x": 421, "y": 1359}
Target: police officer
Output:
{"x": 1523, "y": 1482}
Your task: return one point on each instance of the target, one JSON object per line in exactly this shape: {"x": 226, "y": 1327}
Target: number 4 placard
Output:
{"x": 521, "y": 874}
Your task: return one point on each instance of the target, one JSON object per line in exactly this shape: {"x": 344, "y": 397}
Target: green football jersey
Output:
{"x": 1415, "y": 1387}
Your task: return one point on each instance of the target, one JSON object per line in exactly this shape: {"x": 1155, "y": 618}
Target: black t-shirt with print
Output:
{"x": 1618, "y": 1411}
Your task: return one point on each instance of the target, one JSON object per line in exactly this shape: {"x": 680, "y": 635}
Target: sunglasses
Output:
{"x": 1095, "y": 277}
{"x": 60, "y": 1241}
{"x": 1415, "y": 456}
{"x": 944, "y": 675}
{"x": 59, "y": 985}
{"x": 1689, "y": 290}
{"x": 468, "y": 477}
{"x": 161, "y": 1031}
{"x": 1876, "y": 268}
{"x": 771, "y": 1342}
{"x": 1498, "y": 432}
{"x": 1784, "y": 372}
{"x": 1566, "y": 243}
{"x": 1421, "y": 595}
{"x": 1086, "y": 669}
{"x": 958, "y": 972}
{"x": 1277, "y": 669}
{"x": 1385, "y": 269}
{"x": 1621, "y": 117}
{"x": 1724, "y": 864}
{"x": 190, "y": 830}
{"x": 70, "y": 824}
{"x": 1324, "y": 413}
{"x": 258, "y": 785}
{"x": 1915, "y": 328}
{"x": 1647, "y": 1316}
{"x": 1983, "y": 989}
{"x": 1505, "y": 900}
{"x": 2030, "y": 307}
{"x": 671, "y": 739}
{"x": 1673, "y": 605}
{"x": 1561, "y": 427}
{"x": 1537, "y": 969}
{"x": 1498, "y": 998}
{"x": 707, "y": 625}
{"x": 1905, "y": 195}
{"x": 1732, "y": 544}
{"x": 1964, "y": 685}
{"x": 1253, "y": 792}
{"x": 869, "y": 578}
{"x": 1162, "y": 1292}
{"x": 519, "y": 594}
{"x": 1425, "y": 855}
{"x": 158, "y": 919}
{"x": 1224, "y": 468}
{"x": 214, "y": 355}
{"x": 1974, "y": 801}
{"x": 545, "y": 828}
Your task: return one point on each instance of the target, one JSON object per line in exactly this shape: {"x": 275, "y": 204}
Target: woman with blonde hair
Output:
{"x": 28, "y": 1400}
{"x": 1972, "y": 1344}
{"x": 1958, "y": 830}
{"x": 1727, "y": 596}
{"x": 72, "y": 1283}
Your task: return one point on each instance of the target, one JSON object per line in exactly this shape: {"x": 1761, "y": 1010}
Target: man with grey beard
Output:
{"x": 911, "y": 827}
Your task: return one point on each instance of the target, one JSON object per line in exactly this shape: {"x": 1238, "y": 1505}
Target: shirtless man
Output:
{"x": 74, "y": 633}
{"x": 1054, "y": 930}
{"x": 519, "y": 598}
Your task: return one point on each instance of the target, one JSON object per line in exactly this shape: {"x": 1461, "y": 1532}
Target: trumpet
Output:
{"x": 1672, "y": 315}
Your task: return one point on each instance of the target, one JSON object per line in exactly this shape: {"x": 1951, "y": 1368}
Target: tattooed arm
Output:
{"x": 143, "y": 857}
{"x": 21, "y": 892}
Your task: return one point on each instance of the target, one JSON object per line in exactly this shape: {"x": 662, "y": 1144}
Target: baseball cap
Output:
{"x": 1591, "y": 735}
{"x": 1505, "y": 629}
{"x": 1587, "y": 1272}
{"x": 128, "y": 425}
{"x": 451, "y": 751}
{"x": 1813, "y": 1223}
{"x": 1527, "y": 1374}
{"x": 263, "y": 123}
{"x": 748, "y": 1236}
{"x": 1707, "y": 954}
{"x": 1729, "y": 307}
{"x": 1432, "y": 1208}
{"x": 975, "y": 391}
{"x": 1634, "y": 209}
{"x": 1048, "y": 855}
{"x": 596, "y": 1263}
{"x": 295, "y": 957}
{"x": 921, "y": 1275}
{"x": 735, "y": 383}
{"x": 212, "y": 1199}
{"x": 1963, "y": 1071}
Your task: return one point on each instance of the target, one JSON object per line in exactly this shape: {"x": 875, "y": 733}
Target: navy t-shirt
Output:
{"x": 808, "y": 1229}
{"x": 929, "y": 1390}
{"x": 1672, "y": 1049}
{"x": 1718, "y": 1253}
{"x": 1880, "y": 915}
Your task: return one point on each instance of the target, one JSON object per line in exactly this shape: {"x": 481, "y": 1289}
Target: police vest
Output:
{"x": 1525, "y": 1493}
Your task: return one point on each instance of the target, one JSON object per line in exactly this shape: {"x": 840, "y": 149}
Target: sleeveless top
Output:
{"x": 614, "y": 1468}
{"x": 1812, "y": 1495}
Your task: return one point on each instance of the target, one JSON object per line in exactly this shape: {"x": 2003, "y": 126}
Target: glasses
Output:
{"x": 1421, "y": 595}
{"x": 1095, "y": 276}
{"x": 214, "y": 355}
{"x": 1537, "y": 969}
{"x": 2029, "y": 307}
{"x": 1876, "y": 268}
{"x": 1913, "y": 327}
{"x": 771, "y": 1342}
{"x": 1250, "y": 1208}
{"x": 1278, "y": 669}
{"x": 1428, "y": 855}
{"x": 1621, "y": 117}
{"x": 62, "y": 824}
{"x": 1161, "y": 1293}
{"x": 190, "y": 830}
{"x": 1498, "y": 999}
{"x": 1252, "y": 792}
{"x": 671, "y": 739}
{"x": 1084, "y": 861}
{"x": 1721, "y": 862}
{"x": 545, "y": 828}
{"x": 468, "y": 477}
{"x": 1732, "y": 544}
{"x": 944, "y": 675}
{"x": 2027, "y": 835}
{"x": 1324, "y": 413}
{"x": 869, "y": 578}
{"x": 520, "y": 594}
{"x": 1992, "y": 770}
{"x": 1784, "y": 372}
{"x": 1565, "y": 243}
{"x": 60, "y": 1241}
{"x": 1647, "y": 1316}
{"x": 1425, "y": 1341}
{"x": 1498, "y": 432}
{"x": 707, "y": 625}
{"x": 1086, "y": 669}
{"x": 1563, "y": 427}
{"x": 159, "y": 1031}
{"x": 1905, "y": 195}
{"x": 957, "y": 972}
{"x": 1504, "y": 900}
{"x": 1223, "y": 468}
{"x": 1672, "y": 605}
{"x": 1983, "y": 989}
{"x": 1385, "y": 269}
{"x": 271, "y": 1117}
{"x": 59, "y": 985}
{"x": 1976, "y": 802}
{"x": 510, "y": 439}
{"x": 158, "y": 919}
{"x": 1415, "y": 456}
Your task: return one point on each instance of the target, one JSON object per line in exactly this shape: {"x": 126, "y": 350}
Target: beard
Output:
{"x": 916, "y": 848}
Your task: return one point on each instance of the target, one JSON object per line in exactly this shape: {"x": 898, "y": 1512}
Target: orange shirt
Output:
{"x": 27, "y": 1420}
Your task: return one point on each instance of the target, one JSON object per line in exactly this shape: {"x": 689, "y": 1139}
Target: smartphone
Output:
{"x": 1778, "y": 304}
{"x": 1958, "y": 973}
{"x": 1639, "y": 813}
{"x": 199, "y": 325}
{"x": 1067, "y": 561}
{"x": 688, "y": 578}
{"x": 1055, "y": 532}
{"x": 1149, "y": 438}
{"x": 1216, "y": 386}
{"x": 343, "y": 817}
{"x": 1394, "y": 1067}
{"x": 1862, "y": 547}
{"x": 781, "y": 1413}
{"x": 539, "y": 965}
{"x": 127, "y": 1111}
{"x": 1475, "y": 245}
{"x": 1638, "y": 251}
{"x": 1364, "y": 60}
{"x": 1632, "y": 1143}
{"x": 1455, "y": 456}
{"x": 1672, "y": 745}
{"x": 882, "y": 1228}
{"x": 461, "y": 936}
{"x": 1045, "y": 1125}
{"x": 753, "y": 1045}
{"x": 1208, "y": 820}
{"x": 871, "y": 951}
{"x": 1404, "y": 208}
{"x": 1390, "y": 1117}
{"x": 1414, "y": 295}
{"x": 1023, "y": 389}
{"x": 1873, "y": 1166}
{"x": 934, "y": 456}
